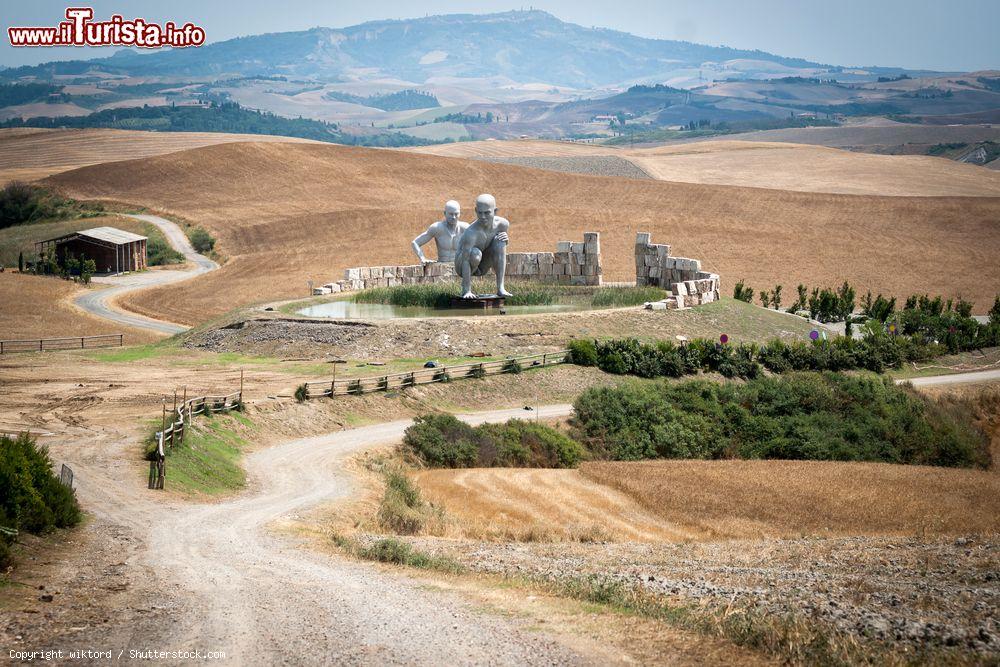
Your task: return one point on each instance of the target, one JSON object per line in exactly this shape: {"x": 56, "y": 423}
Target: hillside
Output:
{"x": 770, "y": 165}
{"x": 523, "y": 46}
{"x": 27, "y": 154}
{"x": 286, "y": 213}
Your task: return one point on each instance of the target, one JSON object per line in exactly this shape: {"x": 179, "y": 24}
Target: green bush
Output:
{"x": 32, "y": 498}
{"x": 814, "y": 416}
{"x": 302, "y": 392}
{"x": 512, "y": 366}
{"x": 742, "y": 293}
{"x": 201, "y": 240}
{"x": 582, "y": 353}
{"x": 478, "y": 372}
{"x": 160, "y": 252}
{"x": 21, "y": 203}
{"x": 401, "y": 510}
{"x": 443, "y": 441}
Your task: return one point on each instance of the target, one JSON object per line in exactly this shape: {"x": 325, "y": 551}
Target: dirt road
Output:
{"x": 956, "y": 378}
{"x": 100, "y": 302}
{"x": 263, "y": 599}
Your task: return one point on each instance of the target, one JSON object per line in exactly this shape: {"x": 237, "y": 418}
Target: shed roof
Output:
{"x": 106, "y": 234}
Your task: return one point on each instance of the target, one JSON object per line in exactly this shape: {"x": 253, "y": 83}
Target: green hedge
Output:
{"x": 32, "y": 499}
{"x": 922, "y": 332}
{"x": 442, "y": 441}
{"x": 816, "y": 416}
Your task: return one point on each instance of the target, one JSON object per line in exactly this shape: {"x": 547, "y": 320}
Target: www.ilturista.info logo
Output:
{"x": 79, "y": 30}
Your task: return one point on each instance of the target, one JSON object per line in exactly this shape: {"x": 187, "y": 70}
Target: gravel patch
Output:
{"x": 900, "y": 592}
{"x": 594, "y": 165}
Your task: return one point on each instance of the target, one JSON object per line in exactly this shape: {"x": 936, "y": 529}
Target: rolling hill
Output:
{"x": 523, "y": 46}
{"x": 286, "y": 213}
{"x": 779, "y": 166}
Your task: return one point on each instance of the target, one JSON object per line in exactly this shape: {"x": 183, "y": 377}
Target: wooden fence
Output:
{"x": 181, "y": 417}
{"x": 48, "y": 344}
{"x": 344, "y": 386}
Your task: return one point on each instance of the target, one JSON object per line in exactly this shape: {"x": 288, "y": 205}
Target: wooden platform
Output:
{"x": 480, "y": 302}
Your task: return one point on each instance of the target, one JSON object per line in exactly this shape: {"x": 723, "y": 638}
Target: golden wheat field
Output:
{"x": 287, "y": 213}
{"x": 705, "y": 500}
{"x": 779, "y": 166}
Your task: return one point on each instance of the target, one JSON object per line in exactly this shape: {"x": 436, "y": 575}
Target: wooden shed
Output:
{"x": 113, "y": 250}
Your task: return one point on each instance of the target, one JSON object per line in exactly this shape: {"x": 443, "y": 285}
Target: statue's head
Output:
{"x": 452, "y": 211}
{"x": 486, "y": 208}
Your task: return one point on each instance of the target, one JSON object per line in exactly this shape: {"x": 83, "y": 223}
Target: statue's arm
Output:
{"x": 421, "y": 240}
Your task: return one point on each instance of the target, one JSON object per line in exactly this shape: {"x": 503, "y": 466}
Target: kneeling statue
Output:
{"x": 483, "y": 246}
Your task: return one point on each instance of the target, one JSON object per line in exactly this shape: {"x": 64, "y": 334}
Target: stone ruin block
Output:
{"x": 577, "y": 248}
{"x": 564, "y": 246}
{"x": 643, "y": 238}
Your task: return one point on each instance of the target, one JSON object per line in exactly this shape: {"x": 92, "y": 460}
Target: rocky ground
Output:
{"x": 594, "y": 165}
{"x": 270, "y": 334}
{"x": 906, "y": 594}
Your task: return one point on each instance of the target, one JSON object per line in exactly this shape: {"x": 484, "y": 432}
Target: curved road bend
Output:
{"x": 97, "y": 302}
{"x": 264, "y": 599}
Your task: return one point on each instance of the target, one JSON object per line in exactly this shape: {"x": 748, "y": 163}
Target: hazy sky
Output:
{"x": 918, "y": 34}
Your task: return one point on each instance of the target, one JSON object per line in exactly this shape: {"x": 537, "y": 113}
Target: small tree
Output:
{"x": 776, "y": 297}
{"x": 88, "y": 268}
{"x": 743, "y": 293}
{"x": 995, "y": 312}
{"x": 201, "y": 240}
{"x": 765, "y": 298}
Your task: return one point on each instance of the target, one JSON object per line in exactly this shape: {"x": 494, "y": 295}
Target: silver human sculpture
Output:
{"x": 445, "y": 233}
{"x": 483, "y": 246}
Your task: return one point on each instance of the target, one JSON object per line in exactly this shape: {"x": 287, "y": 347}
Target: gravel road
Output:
{"x": 98, "y": 302}
{"x": 264, "y": 599}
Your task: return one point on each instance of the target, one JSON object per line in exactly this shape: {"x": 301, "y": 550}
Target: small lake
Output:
{"x": 380, "y": 311}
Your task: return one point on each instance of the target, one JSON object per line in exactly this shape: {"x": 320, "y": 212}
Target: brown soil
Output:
{"x": 299, "y": 212}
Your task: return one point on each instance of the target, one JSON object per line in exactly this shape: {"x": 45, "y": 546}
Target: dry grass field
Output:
{"x": 815, "y": 169}
{"x": 779, "y": 166}
{"x": 41, "y": 307}
{"x": 286, "y": 213}
{"x": 29, "y": 153}
{"x": 709, "y": 500}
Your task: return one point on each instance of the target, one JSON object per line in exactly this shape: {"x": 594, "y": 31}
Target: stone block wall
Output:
{"x": 683, "y": 277}
{"x": 572, "y": 264}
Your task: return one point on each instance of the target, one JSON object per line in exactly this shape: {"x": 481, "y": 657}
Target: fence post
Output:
{"x": 121, "y": 340}
{"x": 81, "y": 342}
{"x": 152, "y": 475}
{"x": 240, "y": 398}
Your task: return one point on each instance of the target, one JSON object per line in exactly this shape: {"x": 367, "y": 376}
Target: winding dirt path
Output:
{"x": 262, "y": 599}
{"x": 101, "y": 302}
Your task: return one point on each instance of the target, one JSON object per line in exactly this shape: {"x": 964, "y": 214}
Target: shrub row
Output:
{"x": 816, "y": 416}
{"x": 440, "y": 440}
{"x": 922, "y": 338}
{"x": 32, "y": 499}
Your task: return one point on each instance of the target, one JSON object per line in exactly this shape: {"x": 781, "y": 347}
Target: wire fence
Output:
{"x": 365, "y": 385}
{"x": 181, "y": 417}
{"x": 51, "y": 344}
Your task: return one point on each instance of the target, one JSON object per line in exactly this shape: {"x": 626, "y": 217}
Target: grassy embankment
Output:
{"x": 207, "y": 462}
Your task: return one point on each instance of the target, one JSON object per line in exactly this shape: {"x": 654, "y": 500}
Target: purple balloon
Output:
{"x": 814, "y": 334}
{"x": 724, "y": 338}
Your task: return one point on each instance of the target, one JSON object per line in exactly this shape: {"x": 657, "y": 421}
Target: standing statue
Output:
{"x": 483, "y": 246}
{"x": 445, "y": 233}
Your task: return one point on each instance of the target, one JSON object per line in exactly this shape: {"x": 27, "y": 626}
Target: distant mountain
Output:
{"x": 522, "y": 46}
